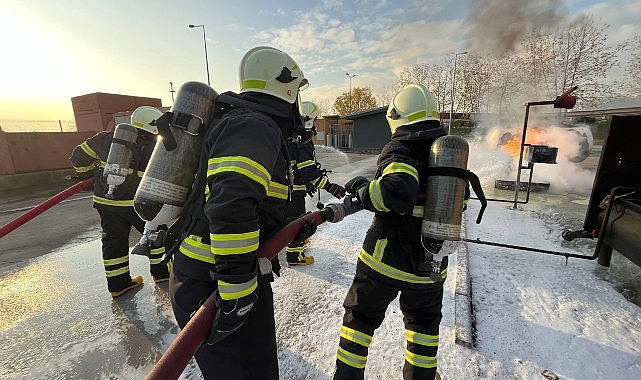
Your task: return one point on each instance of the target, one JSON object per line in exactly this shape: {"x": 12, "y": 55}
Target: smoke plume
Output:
{"x": 498, "y": 26}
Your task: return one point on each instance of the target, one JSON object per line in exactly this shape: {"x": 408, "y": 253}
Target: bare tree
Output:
{"x": 325, "y": 106}
{"x": 631, "y": 85}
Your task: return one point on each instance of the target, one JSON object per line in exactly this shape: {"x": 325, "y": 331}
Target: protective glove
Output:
{"x": 231, "y": 313}
{"x": 354, "y": 184}
{"x": 336, "y": 190}
{"x": 310, "y": 189}
{"x": 308, "y": 229}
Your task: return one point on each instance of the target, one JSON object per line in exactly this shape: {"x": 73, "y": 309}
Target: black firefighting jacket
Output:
{"x": 307, "y": 171}
{"x": 248, "y": 183}
{"x": 392, "y": 249}
{"x": 90, "y": 158}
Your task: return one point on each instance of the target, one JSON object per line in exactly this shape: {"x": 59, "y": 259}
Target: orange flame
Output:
{"x": 513, "y": 146}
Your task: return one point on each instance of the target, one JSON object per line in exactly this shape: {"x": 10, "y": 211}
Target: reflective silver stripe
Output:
{"x": 399, "y": 167}
{"x": 229, "y": 291}
{"x": 240, "y": 165}
{"x": 375, "y": 195}
{"x": 233, "y": 244}
{"x": 192, "y": 247}
{"x": 418, "y": 211}
{"x": 278, "y": 190}
{"x": 356, "y": 336}
{"x": 420, "y": 360}
{"x": 379, "y": 249}
{"x": 422, "y": 339}
{"x": 394, "y": 273}
{"x": 352, "y": 360}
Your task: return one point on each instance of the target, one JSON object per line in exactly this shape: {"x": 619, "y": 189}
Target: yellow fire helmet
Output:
{"x": 270, "y": 71}
{"x": 412, "y": 104}
{"x": 143, "y": 116}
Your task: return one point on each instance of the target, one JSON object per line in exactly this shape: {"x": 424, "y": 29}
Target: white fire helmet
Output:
{"x": 310, "y": 112}
{"x": 412, "y": 104}
{"x": 270, "y": 71}
{"x": 142, "y": 117}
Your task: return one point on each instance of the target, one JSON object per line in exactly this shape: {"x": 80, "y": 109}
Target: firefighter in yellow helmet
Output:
{"x": 392, "y": 259}
{"x": 308, "y": 177}
{"x": 242, "y": 187}
{"x": 117, "y": 214}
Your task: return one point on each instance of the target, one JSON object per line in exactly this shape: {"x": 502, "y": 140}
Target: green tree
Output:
{"x": 361, "y": 99}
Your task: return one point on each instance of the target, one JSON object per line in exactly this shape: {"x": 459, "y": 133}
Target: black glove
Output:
{"x": 310, "y": 189}
{"x": 336, "y": 190}
{"x": 307, "y": 230}
{"x": 355, "y": 183}
{"x": 232, "y": 313}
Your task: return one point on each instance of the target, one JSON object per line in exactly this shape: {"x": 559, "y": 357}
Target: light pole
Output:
{"x": 205, "y": 41}
{"x": 449, "y": 127}
{"x": 350, "y": 90}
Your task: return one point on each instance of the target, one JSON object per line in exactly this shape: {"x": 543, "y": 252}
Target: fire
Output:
{"x": 513, "y": 145}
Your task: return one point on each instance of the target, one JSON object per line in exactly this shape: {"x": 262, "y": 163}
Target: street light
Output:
{"x": 350, "y": 90}
{"x": 205, "y": 41}
{"x": 449, "y": 127}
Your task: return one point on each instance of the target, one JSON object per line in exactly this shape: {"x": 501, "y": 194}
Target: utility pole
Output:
{"x": 205, "y": 42}
{"x": 350, "y": 90}
{"x": 449, "y": 127}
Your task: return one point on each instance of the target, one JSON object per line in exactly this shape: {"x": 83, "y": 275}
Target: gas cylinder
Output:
{"x": 119, "y": 158}
{"x": 172, "y": 167}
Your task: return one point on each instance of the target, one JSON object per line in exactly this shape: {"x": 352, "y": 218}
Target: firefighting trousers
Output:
{"x": 365, "y": 305}
{"x": 247, "y": 354}
{"x": 116, "y": 227}
{"x": 294, "y": 209}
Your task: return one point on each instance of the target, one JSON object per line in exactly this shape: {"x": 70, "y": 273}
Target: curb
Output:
{"x": 463, "y": 311}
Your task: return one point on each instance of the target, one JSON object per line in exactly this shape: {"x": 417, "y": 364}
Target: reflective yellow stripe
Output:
{"x": 356, "y": 336}
{"x": 84, "y": 169}
{"x": 254, "y": 83}
{"x": 375, "y": 195}
{"x": 234, "y": 244}
{"x": 420, "y": 360}
{"x": 422, "y": 339}
{"x": 116, "y": 272}
{"x": 240, "y": 165}
{"x": 155, "y": 255}
{"x": 116, "y": 261}
{"x": 112, "y": 202}
{"x": 192, "y": 247}
{"x": 400, "y": 167}
{"x": 320, "y": 182}
{"x": 379, "y": 249}
{"x": 416, "y": 115}
{"x": 418, "y": 211}
{"x": 352, "y": 360}
{"x": 278, "y": 190}
{"x": 90, "y": 152}
{"x": 394, "y": 273}
{"x": 230, "y": 291}
{"x": 300, "y": 188}
{"x": 304, "y": 164}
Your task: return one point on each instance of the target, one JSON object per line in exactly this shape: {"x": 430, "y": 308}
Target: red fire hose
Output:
{"x": 182, "y": 349}
{"x": 44, "y": 206}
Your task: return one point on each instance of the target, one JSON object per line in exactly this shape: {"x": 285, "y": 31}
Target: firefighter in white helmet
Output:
{"x": 242, "y": 187}
{"x": 308, "y": 177}
{"x": 117, "y": 214}
{"x": 392, "y": 259}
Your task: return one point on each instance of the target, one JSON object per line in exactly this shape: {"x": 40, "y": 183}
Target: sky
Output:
{"x": 53, "y": 51}
{"x": 533, "y": 313}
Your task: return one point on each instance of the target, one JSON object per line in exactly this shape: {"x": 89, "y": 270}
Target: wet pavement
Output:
{"x": 57, "y": 320}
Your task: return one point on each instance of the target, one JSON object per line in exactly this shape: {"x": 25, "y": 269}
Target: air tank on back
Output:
{"x": 445, "y": 197}
{"x": 119, "y": 158}
{"x": 172, "y": 167}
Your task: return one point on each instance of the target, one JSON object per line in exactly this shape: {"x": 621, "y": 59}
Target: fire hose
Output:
{"x": 44, "y": 206}
{"x": 193, "y": 335}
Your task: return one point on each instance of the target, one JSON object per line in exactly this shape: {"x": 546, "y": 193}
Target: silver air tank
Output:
{"x": 445, "y": 197}
{"x": 172, "y": 167}
{"x": 119, "y": 159}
